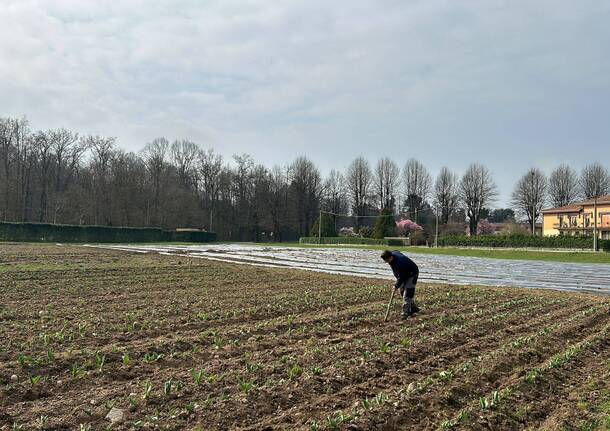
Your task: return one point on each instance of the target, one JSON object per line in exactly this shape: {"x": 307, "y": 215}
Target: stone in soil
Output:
{"x": 115, "y": 415}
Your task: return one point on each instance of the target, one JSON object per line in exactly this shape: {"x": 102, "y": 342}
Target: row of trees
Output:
{"x": 59, "y": 176}
{"x": 564, "y": 186}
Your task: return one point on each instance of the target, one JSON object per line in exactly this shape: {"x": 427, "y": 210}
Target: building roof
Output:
{"x": 565, "y": 209}
{"x": 578, "y": 206}
{"x": 600, "y": 200}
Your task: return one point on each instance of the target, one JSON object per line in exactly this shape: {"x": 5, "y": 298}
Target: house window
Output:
{"x": 573, "y": 221}
{"x": 586, "y": 219}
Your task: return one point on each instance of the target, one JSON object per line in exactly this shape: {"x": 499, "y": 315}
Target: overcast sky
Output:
{"x": 511, "y": 84}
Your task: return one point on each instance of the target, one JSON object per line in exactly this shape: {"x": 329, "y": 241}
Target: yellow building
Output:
{"x": 578, "y": 219}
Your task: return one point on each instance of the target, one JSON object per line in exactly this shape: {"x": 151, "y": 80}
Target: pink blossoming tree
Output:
{"x": 405, "y": 227}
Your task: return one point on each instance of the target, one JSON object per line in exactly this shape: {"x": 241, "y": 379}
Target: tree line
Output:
{"x": 59, "y": 176}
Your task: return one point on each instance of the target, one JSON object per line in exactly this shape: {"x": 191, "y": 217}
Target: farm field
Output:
{"x": 179, "y": 343}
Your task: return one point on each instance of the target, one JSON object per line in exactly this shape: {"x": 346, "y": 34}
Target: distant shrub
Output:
{"x": 347, "y": 231}
{"x": 328, "y": 226}
{"x": 385, "y": 225}
{"x": 365, "y": 232}
{"x": 485, "y": 228}
{"x": 341, "y": 240}
{"x": 453, "y": 229}
{"x": 417, "y": 238}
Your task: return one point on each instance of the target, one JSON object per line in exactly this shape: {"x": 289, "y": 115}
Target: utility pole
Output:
{"x": 320, "y": 228}
{"x": 595, "y": 223}
{"x": 533, "y": 205}
{"x": 436, "y": 236}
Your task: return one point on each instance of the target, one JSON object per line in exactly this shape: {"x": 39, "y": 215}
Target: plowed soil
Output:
{"x": 195, "y": 344}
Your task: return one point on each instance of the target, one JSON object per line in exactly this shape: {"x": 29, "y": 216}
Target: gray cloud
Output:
{"x": 510, "y": 84}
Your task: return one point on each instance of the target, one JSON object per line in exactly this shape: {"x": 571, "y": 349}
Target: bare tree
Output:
{"x": 260, "y": 192}
{"x": 67, "y": 152}
{"x": 102, "y": 150}
{"x": 359, "y": 179}
{"x": 25, "y": 168}
{"x": 530, "y": 195}
{"x": 14, "y": 138}
{"x": 477, "y": 189}
{"x": 306, "y": 190}
{"x": 594, "y": 181}
{"x": 278, "y": 202}
{"x": 417, "y": 186}
{"x": 335, "y": 197}
{"x": 184, "y": 156}
{"x": 563, "y": 186}
{"x": 386, "y": 183}
{"x": 43, "y": 146}
{"x": 210, "y": 166}
{"x": 155, "y": 158}
{"x": 129, "y": 181}
{"x": 446, "y": 194}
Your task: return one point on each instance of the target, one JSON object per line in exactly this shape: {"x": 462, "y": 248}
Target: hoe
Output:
{"x": 387, "y": 311}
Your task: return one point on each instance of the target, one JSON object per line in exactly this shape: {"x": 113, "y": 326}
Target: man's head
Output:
{"x": 387, "y": 256}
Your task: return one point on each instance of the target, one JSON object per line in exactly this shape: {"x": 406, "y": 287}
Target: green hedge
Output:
{"x": 521, "y": 241}
{"x": 188, "y": 236}
{"x": 42, "y": 232}
{"x": 345, "y": 240}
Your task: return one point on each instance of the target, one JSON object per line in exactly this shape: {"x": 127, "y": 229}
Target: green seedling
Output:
{"x": 167, "y": 388}
{"x": 406, "y": 342}
{"x": 533, "y": 376}
{"x": 385, "y": 347}
{"x": 198, "y": 376}
{"x": 24, "y": 360}
{"x": 252, "y": 367}
{"x": 41, "y": 422}
{"x": 366, "y": 403}
{"x": 245, "y": 386}
{"x": 290, "y": 319}
{"x": 334, "y": 422}
{"x": 152, "y": 357}
{"x": 381, "y": 398}
{"x": 218, "y": 343}
{"x": 294, "y": 372}
{"x": 82, "y": 330}
{"x": 446, "y": 375}
{"x": 77, "y": 371}
{"x": 147, "y": 390}
{"x": 100, "y": 360}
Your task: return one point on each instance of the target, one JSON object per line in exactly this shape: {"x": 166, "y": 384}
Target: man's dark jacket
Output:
{"x": 403, "y": 268}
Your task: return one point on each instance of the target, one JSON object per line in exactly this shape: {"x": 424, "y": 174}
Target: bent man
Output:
{"x": 406, "y": 273}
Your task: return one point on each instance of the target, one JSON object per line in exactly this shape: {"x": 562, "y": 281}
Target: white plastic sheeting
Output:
{"x": 433, "y": 268}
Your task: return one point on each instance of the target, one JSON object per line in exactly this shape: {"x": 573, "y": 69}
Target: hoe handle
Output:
{"x": 387, "y": 311}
